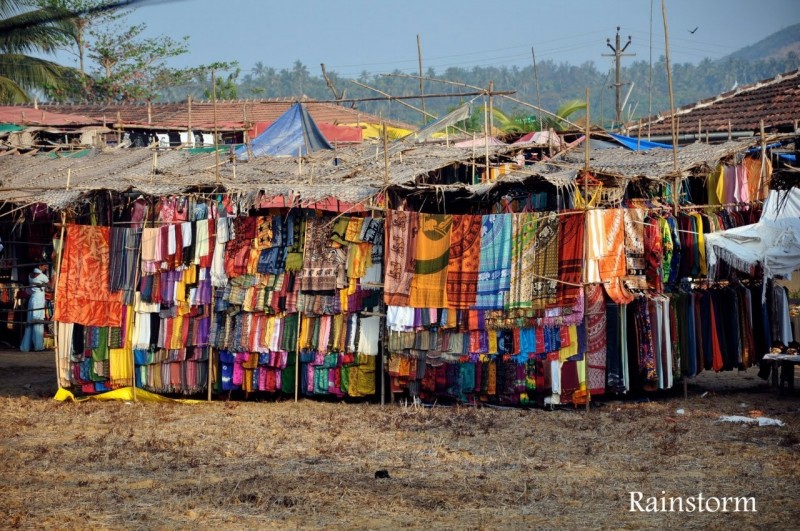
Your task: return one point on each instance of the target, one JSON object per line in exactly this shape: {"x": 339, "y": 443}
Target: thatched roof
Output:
{"x": 350, "y": 174}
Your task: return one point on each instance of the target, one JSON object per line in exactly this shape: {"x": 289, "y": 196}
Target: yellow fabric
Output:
{"x": 375, "y": 131}
{"x": 579, "y": 200}
{"x": 572, "y": 349}
{"x": 716, "y": 186}
{"x": 306, "y": 325}
{"x": 582, "y": 373}
{"x": 120, "y": 361}
{"x": 123, "y": 394}
{"x": 492, "y": 341}
{"x": 359, "y": 258}
{"x": 428, "y": 286}
{"x": 701, "y": 244}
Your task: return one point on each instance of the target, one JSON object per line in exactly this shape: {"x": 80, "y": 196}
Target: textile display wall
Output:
{"x": 248, "y": 292}
{"x": 505, "y": 308}
{"x": 496, "y": 307}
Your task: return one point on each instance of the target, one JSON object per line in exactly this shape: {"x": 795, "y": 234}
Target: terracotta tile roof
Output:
{"x": 41, "y": 117}
{"x": 231, "y": 114}
{"x": 776, "y": 101}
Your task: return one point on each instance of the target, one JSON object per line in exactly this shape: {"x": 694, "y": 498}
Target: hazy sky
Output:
{"x": 351, "y": 36}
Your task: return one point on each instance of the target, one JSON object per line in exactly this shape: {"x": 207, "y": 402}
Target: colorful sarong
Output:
{"x": 401, "y": 232}
{"x": 494, "y": 277}
{"x": 428, "y": 287}
{"x": 462, "y": 269}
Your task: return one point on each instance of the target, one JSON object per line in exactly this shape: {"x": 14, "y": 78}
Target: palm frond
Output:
{"x": 31, "y": 72}
{"x": 35, "y": 31}
{"x": 10, "y": 92}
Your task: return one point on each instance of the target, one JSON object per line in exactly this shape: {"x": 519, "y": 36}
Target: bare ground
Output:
{"x": 265, "y": 464}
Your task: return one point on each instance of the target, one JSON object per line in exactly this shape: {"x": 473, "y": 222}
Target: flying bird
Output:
{"x": 695, "y": 29}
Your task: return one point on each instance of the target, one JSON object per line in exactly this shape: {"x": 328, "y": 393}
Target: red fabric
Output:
{"x": 83, "y": 294}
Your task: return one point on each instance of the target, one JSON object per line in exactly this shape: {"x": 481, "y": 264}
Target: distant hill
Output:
{"x": 775, "y": 46}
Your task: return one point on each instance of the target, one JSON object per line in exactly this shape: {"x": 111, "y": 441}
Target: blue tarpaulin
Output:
{"x": 632, "y": 143}
{"x": 293, "y": 133}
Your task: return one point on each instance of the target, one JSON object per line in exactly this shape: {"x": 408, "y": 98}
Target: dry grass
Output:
{"x": 268, "y": 464}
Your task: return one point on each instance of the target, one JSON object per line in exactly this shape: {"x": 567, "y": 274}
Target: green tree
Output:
{"x": 86, "y": 14}
{"x": 25, "y": 29}
{"x": 133, "y": 68}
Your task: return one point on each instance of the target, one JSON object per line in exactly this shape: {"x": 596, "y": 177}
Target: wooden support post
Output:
{"x": 585, "y": 239}
{"x": 421, "y": 82}
{"x": 762, "y": 176}
{"x": 297, "y": 358}
{"x": 486, "y": 141}
{"x": 677, "y": 176}
{"x": 685, "y": 387}
{"x": 385, "y": 155}
{"x": 639, "y": 136}
{"x": 491, "y": 108}
{"x": 473, "y": 157}
{"x": 216, "y": 131}
{"x": 730, "y": 131}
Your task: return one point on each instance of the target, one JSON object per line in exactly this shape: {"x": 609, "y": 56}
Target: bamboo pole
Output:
{"x": 189, "y": 105}
{"x": 421, "y": 82}
{"x": 639, "y": 136}
{"x": 491, "y": 108}
{"x": 473, "y": 157}
{"x": 216, "y": 131}
{"x": 385, "y": 156}
{"x": 762, "y": 176}
{"x": 297, "y": 358}
{"x": 677, "y": 177}
{"x": 485, "y": 142}
{"x": 585, "y": 220}
{"x": 60, "y": 256}
{"x": 538, "y": 95}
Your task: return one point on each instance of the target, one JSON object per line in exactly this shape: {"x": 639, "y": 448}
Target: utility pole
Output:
{"x": 618, "y": 50}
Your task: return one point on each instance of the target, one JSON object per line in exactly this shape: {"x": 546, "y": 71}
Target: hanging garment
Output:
{"x": 522, "y": 275}
{"x": 83, "y": 294}
{"x": 494, "y": 277}
{"x": 402, "y": 230}
{"x": 596, "y": 338}
{"x": 428, "y": 286}
{"x": 545, "y": 262}
{"x": 319, "y": 258}
{"x": 570, "y": 256}
{"x": 464, "y": 262}
{"x": 611, "y": 264}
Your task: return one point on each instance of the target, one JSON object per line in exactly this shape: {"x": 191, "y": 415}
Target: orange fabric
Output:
{"x": 83, "y": 294}
{"x": 752, "y": 166}
{"x": 612, "y": 263}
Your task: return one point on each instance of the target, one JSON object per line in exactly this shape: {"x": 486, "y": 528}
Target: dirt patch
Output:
{"x": 281, "y": 464}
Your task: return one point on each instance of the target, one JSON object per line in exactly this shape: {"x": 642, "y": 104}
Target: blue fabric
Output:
{"x": 632, "y": 143}
{"x": 294, "y": 132}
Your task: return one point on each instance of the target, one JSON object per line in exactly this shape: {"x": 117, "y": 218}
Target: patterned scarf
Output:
{"x": 494, "y": 277}
{"x": 428, "y": 286}
{"x": 570, "y": 257}
{"x": 319, "y": 259}
{"x": 462, "y": 269}
{"x": 545, "y": 263}
{"x": 401, "y": 231}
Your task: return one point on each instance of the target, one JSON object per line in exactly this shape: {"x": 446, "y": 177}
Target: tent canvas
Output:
{"x": 638, "y": 144}
{"x": 773, "y": 242}
{"x": 479, "y": 142}
{"x": 334, "y": 134}
{"x": 542, "y": 138}
{"x": 295, "y": 132}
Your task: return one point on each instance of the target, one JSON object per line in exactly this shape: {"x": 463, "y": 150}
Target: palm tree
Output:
{"x": 25, "y": 29}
